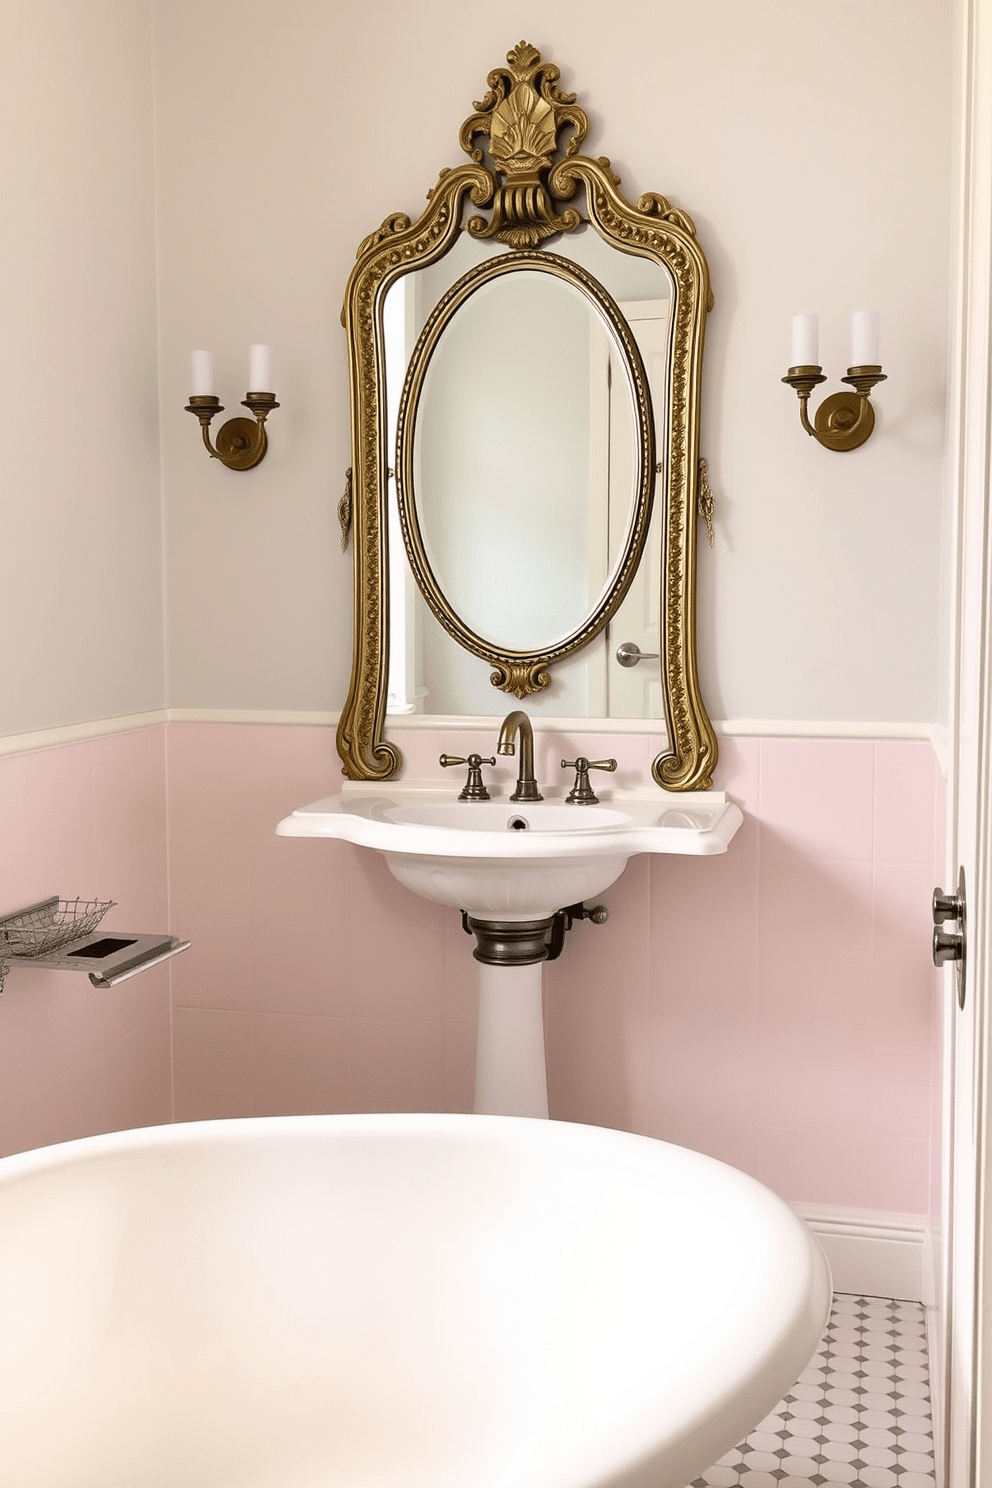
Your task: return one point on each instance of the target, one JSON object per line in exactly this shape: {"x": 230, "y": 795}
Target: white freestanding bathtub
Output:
{"x": 390, "y": 1302}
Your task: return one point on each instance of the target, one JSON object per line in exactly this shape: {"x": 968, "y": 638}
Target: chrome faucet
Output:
{"x": 516, "y": 723}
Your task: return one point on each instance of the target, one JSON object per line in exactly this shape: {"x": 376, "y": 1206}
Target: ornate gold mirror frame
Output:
{"x": 524, "y": 672}
{"x": 525, "y": 188}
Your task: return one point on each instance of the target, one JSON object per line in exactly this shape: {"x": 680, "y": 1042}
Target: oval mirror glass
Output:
{"x": 524, "y": 444}
{"x": 517, "y": 420}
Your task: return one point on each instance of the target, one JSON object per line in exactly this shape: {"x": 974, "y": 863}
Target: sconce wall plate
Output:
{"x": 241, "y": 444}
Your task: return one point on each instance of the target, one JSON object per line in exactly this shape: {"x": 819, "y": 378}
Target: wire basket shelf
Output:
{"x": 43, "y": 929}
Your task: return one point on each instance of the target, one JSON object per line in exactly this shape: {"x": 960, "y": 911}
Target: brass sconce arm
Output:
{"x": 241, "y": 444}
{"x": 843, "y": 421}
{"x": 804, "y": 380}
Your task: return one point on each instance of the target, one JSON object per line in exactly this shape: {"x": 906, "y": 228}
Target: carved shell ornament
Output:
{"x": 522, "y": 114}
{"x": 524, "y": 168}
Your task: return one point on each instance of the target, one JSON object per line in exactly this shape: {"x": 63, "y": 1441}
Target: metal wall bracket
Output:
{"x": 565, "y": 919}
{"x": 61, "y": 935}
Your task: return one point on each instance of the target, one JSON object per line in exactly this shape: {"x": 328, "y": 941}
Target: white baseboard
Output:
{"x": 875, "y": 1255}
{"x": 887, "y": 1255}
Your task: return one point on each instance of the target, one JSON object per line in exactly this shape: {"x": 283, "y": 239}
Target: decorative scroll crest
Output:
{"x": 522, "y": 114}
{"x": 520, "y": 677}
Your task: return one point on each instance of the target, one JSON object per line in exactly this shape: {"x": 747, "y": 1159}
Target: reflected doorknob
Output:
{"x": 951, "y": 944}
{"x": 630, "y": 653}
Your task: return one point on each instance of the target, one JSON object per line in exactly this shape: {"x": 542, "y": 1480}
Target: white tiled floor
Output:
{"x": 859, "y": 1415}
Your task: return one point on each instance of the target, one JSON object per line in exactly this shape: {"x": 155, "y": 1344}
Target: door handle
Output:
{"x": 630, "y": 653}
{"x": 951, "y": 944}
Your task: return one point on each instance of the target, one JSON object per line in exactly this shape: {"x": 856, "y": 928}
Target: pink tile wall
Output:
{"x": 773, "y": 1007}
{"x": 85, "y": 820}
{"x": 315, "y": 982}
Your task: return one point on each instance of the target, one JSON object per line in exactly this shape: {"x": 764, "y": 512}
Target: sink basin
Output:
{"x": 504, "y": 816}
{"x": 394, "y": 1301}
{"x": 511, "y": 867}
{"x": 500, "y": 860}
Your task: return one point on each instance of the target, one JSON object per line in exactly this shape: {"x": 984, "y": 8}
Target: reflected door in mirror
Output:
{"x": 635, "y": 691}
{"x": 503, "y": 462}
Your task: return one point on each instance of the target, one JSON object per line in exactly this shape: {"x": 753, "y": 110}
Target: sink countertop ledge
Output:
{"x": 434, "y": 823}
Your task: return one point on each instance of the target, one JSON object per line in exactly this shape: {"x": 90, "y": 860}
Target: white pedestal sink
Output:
{"x": 510, "y": 868}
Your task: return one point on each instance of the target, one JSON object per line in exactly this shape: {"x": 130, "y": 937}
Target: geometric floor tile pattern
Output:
{"x": 859, "y": 1415}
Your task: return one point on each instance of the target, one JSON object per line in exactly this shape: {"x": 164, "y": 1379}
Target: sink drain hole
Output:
{"x": 518, "y": 824}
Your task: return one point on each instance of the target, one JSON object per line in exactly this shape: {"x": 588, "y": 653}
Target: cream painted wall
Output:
{"x": 284, "y": 135}
{"x": 81, "y": 633}
{"x": 814, "y": 156}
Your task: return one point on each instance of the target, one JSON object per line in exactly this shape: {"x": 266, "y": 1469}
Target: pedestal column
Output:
{"x": 510, "y": 1076}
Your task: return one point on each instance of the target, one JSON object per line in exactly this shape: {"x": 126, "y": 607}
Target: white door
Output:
{"x": 963, "y": 1082}
{"x": 963, "y": 1408}
{"x": 635, "y": 691}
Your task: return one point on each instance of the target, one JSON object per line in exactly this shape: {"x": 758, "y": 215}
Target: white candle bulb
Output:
{"x": 202, "y": 374}
{"x": 864, "y": 339}
{"x": 260, "y": 369}
{"x": 805, "y": 340}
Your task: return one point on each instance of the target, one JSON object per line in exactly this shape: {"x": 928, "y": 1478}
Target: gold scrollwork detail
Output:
{"x": 344, "y": 511}
{"x": 520, "y": 677}
{"x": 522, "y": 114}
{"x": 707, "y": 505}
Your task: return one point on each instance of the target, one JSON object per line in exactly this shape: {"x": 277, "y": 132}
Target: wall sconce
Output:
{"x": 844, "y": 420}
{"x": 241, "y": 444}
